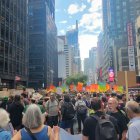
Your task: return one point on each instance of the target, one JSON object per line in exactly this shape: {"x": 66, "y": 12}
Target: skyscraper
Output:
{"x": 93, "y": 64}
{"x": 72, "y": 41}
{"x": 43, "y": 60}
{"x": 13, "y": 43}
{"x": 61, "y": 58}
{"x": 116, "y": 16}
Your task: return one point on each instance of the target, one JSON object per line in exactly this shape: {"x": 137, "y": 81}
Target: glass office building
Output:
{"x": 43, "y": 69}
{"x": 13, "y": 42}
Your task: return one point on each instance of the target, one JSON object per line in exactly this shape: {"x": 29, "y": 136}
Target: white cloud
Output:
{"x": 61, "y": 32}
{"x": 93, "y": 19}
{"x": 71, "y": 27}
{"x": 63, "y": 21}
{"x": 95, "y": 5}
{"x": 75, "y": 8}
{"x": 86, "y": 41}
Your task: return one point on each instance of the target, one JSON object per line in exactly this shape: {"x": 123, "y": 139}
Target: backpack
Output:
{"x": 81, "y": 110}
{"x": 105, "y": 129}
{"x": 69, "y": 111}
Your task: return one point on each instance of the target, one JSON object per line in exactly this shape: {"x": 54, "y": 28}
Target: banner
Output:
{"x": 80, "y": 86}
{"x": 71, "y": 87}
{"x": 102, "y": 87}
{"x": 51, "y": 88}
{"x": 59, "y": 90}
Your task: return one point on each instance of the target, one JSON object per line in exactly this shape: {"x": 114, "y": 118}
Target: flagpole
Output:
{"x": 126, "y": 85}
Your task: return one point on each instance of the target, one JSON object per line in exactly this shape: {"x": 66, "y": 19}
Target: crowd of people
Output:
{"x": 101, "y": 116}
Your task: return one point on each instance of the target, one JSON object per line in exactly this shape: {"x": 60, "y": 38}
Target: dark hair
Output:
{"x": 66, "y": 98}
{"x": 33, "y": 101}
{"x": 94, "y": 94}
{"x": 113, "y": 95}
{"x": 119, "y": 97}
{"x": 17, "y": 98}
{"x": 104, "y": 99}
{"x": 96, "y": 104}
{"x": 24, "y": 95}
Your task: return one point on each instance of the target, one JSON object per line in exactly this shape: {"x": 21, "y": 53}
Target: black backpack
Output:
{"x": 105, "y": 129}
{"x": 69, "y": 111}
{"x": 81, "y": 110}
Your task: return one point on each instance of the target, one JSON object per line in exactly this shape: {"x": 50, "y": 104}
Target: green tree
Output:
{"x": 74, "y": 79}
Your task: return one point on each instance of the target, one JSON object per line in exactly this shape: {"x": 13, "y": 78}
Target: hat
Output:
{"x": 36, "y": 96}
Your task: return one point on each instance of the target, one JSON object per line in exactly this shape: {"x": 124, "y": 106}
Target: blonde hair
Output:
{"x": 4, "y": 118}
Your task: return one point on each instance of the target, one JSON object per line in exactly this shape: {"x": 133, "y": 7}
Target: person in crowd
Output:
{"x": 120, "y": 116}
{"x": 4, "y": 120}
{"x": 15, "y": 110}
{"x": 34, "y": 101}
{"x": 24, "y": 99}
{"x": 61, "y": 102}
{"x": 68, "y": 113}
{"x": 73, "y": 100}
{"x": 138, "y": 98}
{"x": 52, "y": 109}
{"x": 121, "y": 104}
{"x": 4, "y": 103}
{"x": 10, "y": 100}
{"x": 86, "y": 101}
{"x": 133, "y": 112}
{"x": 81, "y": 110}
{"x": 104, "y": 101}
{"x": 34, "y": 127}
{"x": 90, "y": 124}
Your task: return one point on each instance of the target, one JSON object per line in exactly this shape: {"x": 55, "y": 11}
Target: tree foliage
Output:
{"x": 74, "y": 79}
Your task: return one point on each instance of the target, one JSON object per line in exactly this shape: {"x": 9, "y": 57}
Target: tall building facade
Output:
{"x": 13, "y": 43}
{"x": 69, "y": 60}
{"x": 43, "y": 58}
{"x": 138, "y": 42}
{"x": 86, "y": 66}
{"x": 116, "y": 16}
{"x": 90, "y": 66}
{"x": 100, "y": 54}
{"x": 72, "y": 42}
{"x": 61, "y": 58}
{"x": 93, "y": 65}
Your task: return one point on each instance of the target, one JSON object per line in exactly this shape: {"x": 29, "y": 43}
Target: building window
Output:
{"x": 139, "y": 45}
{"x": 124, "y": 3}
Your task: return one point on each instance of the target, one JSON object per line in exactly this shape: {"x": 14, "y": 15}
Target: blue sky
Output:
{"x": 89, "y": 15}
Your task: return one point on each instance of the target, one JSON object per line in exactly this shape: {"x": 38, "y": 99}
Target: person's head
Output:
{"x": 11, "y": 98}
{"x": 84, "y": 97}
{"x": 33, "y": 117}
{"x": 112, "y": 104}
{"x": 4, "y": 118}
{"x": 132, "y": 109}
{"x": 79, "y": 97}
{"x": 66, "y": 98}
{"x": 119, "y": 97}
{"x": 23, "y": 95}
{"x": 33, "y": 100}
{"x": 17, "y": 98}
{"x": 104, "y": 99}
{"x": 96, "y": 104}
{"x": 52, "y": 96}
{"x": 113, "y": 95}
